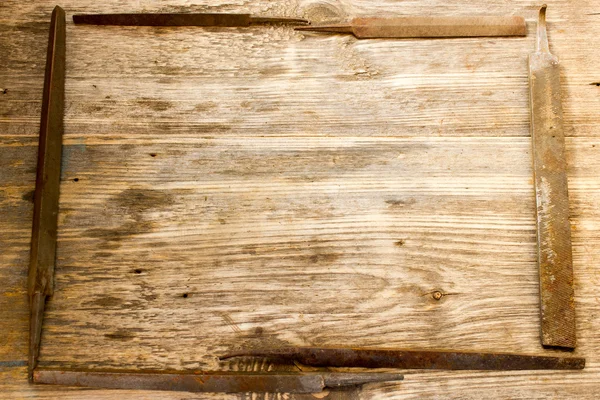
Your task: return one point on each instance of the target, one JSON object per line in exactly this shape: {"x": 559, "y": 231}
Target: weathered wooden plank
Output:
{"x": 396, "y": 87}
{"x": 333, "y": 228}
{"x": 304, "y": 159}
{"x": 327, "y": 238}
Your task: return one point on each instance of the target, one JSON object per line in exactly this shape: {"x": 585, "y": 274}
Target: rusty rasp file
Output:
{"x": 412, "y": 359}
{"x": 557, "y": 306}
{"x": 426, "y": 27}
{"x": 45, "y": 204}
{"x": 212, "y": 381}
{"x": 183, "y": 19}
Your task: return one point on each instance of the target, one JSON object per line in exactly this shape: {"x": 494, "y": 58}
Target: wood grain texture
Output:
{"x": 262, "y": 187}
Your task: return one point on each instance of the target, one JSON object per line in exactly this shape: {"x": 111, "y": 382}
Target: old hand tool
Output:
{"x": 412, "y": 359}
{"x": 214, "y": 381}
{"x": 426, "y": 27}
{"x": 45, "y": 203}
{"x": 557, "y": 305}
{"x": 191, "y": 19}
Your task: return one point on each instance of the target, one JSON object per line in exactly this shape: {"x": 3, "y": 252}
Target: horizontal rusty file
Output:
{"x": 212, "y": 381}
{"x": 182, "y": 19}
{"x": 426, "y": 27}
{"x": 412, "y": 359}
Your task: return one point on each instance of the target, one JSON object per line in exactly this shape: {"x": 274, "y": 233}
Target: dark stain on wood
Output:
{"x": 203, "y": 107}
{"x": 121, "y": 334}
{"x": 154, "y": 104}
{"x": 105, "y": 302}
{"x": 130, "y": 205}
{"x": 324, "y": 258}
{"x": 399, "y": 243}
{"x": 119, "y": 233}
{"x": 400, "y": 202}
{"x": 134, "y": 202}
{"x": 266, "y": 108}
{"x": 165, "y": 69}
{"x": 28, "y": 196}
{"x": 127, "y": 147}
{"x": 102, "y": 105}
{"x": 148, "y": 295}
{"x": 250, "y": 249}
{"x": 273, "y": 71}
{"x": 166, "y": 81}
{"x": 110, "y": 245}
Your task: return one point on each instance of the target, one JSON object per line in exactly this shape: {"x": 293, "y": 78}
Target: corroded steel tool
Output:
{"x": 412, "y": 359}
{"x": 426, "y": 27}
{"x": 557, "y": 305}
{"x": 217, "y": 381}
{"x": 190, "y": 19}
{"x": 45, "y": 203}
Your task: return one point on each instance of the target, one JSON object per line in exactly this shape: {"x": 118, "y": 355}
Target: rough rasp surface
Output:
{"x": 557, "y": 305}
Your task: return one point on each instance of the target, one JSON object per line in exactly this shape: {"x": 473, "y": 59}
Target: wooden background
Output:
{"x": 229, "y": 188}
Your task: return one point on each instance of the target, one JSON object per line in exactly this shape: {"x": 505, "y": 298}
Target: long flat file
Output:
{"x": 557, "y": 306}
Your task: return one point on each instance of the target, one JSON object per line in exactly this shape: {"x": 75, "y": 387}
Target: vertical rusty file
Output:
{"x": 45, "y": 208}
{"x": 557, "y": 306}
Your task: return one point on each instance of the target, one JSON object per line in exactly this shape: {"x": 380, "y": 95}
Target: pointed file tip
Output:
{"x": 542, "y": 36}
{"x": 542, "y": 15}
{"x": 326, "y": 28}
